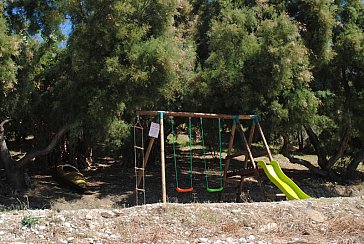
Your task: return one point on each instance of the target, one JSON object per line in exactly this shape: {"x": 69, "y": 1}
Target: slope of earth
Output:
{"x": 326, "y": 220}
{"x": 49, "y": 212}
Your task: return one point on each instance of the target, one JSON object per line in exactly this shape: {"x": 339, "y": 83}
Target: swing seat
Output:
{"x": 211, "y": 190}
{"x": 180, "y": 190}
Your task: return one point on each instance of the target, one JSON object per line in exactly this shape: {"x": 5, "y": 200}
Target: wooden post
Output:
{"x": 241, "y": 130}
{"x": 249, "y": 152}
{"x": 227, "y": 161}
{"x": 265, "y": 142}
{"x": 250, "y": 140}
{"x": 163, "y": 163}
{"x": 195, "y": 115}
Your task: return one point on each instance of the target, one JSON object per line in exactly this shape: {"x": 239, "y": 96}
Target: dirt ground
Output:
{"x": 111, "y": 184}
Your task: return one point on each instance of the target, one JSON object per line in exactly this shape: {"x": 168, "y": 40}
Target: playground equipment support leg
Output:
{"x": 241, "y": 131}
{"x": 265, "y": 142}
{"x": 163, "y": 163}
{"x": 227, "y": 161}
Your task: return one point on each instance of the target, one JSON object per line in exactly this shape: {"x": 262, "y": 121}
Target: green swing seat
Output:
{"x": 218, "y": 189}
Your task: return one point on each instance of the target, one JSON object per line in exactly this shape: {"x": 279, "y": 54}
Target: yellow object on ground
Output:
{"x": 285, "y": 184}
{"x": 71, "y": 176}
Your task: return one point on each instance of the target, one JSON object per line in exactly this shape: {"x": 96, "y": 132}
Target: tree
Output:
{"x": 117, "y": 50}
{"x": 257, "y": 63}
{"x": 10, "y": 46}
{"x": 30, "y": 59}
{"x": 205, "y": 10}
{"x": 15, "y": 169}
{"x": 336, "y": 53}
{"x": 37, "y": 24}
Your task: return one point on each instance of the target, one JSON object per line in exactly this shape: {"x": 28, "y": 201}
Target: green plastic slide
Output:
{"x": 285, "y": 184}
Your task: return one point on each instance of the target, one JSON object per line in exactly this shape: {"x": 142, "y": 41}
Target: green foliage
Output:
{"x": 317, "y": 19}
{"x": 117, "y": 130}
{"x": 9, "y": 48}
{"x": 257, "y": 63}
{"x": 37, "y": 17}
{"x": 292, "y": 62}
{"x": 123, "y": 52}
{"x": 29, "y": 221}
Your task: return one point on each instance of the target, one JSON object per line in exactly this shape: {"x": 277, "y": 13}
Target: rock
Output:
{"x": 70, "y": 239}
{"x": 229, "y": 240}
{"x": 242, "y": 240}
{"x": 316, "y": 216}
{"x": 107, "y": 215}
{"x": 250, "y": 238}
{"x": 63, "y": 241}
{"x": 61, "y": 218}
{"x": 202, "y": 240}
{"x": 67, "y": 224}
{"x": 116, "y": 212}
{"x": 268, "y": 227}
{"x": 42, "y": 227}
{"x": 309, "y": 204}
{"x": 88, "y": 217}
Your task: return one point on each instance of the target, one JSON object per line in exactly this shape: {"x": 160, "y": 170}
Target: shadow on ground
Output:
{"x": 111, "y": 184}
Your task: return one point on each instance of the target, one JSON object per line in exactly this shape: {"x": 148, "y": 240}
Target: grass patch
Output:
{"x": 180, "y": 140}
{"x": 29, "y": 221}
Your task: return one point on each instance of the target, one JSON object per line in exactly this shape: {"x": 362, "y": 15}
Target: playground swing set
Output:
{"x": 190, "y": 189}
{"x": 248, "y": 168}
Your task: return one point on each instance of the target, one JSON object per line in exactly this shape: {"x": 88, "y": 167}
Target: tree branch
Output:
{"x": 2, "y": 127}
{"x": 359, "y": 157}
{"x": 2, "y": 134}
{"x": 307, "y": 164}
{"x": 3, "y": 123}
{"x": 22, "y": 162}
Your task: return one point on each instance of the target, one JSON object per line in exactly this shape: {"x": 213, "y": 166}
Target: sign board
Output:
{"x": 154, "y": 130}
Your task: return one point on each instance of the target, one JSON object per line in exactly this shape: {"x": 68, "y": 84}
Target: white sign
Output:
{"x": 154, "y": 130}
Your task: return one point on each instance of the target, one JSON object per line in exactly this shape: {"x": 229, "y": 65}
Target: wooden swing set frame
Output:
{"x": 226, "y": 174}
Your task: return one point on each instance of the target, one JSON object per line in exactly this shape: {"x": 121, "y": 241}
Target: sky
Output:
{"x": 66, "y": 28}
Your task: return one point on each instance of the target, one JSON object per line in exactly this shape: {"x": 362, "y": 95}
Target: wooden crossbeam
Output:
{"x": 195, "y": 115}
{"x": 256, "y": 154}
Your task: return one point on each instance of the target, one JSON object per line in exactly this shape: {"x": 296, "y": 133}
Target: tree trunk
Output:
{"x": 323, "y": 162}
{"x": 15, "y": 169}
{"x": 321, "y": 154}
{"x": 300, "y": 140}
{"x": 343, "y": 145}
{"x": 359, "y": 158}
{"x": 287, "y": 153}
{"x": 285, "y": 148}
{"x": 14, "y": 176}
{"x": 307, "y": 164}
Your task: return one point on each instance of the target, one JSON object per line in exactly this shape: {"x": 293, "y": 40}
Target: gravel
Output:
{"x": 326, "y": 220}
